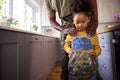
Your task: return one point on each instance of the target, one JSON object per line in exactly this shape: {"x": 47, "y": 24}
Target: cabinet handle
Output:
{"x": 103, "y": 46}
{"x": 36, "y": 38}
{"x": 104, "y": 66}
{"x": 102, "y": 37}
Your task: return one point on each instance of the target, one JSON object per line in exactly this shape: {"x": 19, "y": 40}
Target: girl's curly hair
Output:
{"x": 81, "y": 6}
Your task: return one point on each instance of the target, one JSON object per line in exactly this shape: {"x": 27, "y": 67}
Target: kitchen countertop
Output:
{"x": 22, "y": 31}
{"x": 107, "y": 29}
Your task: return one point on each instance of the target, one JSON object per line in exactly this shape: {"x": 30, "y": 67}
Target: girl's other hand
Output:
{"x": 71, "y": 53}
{"x": 91, "y": 52}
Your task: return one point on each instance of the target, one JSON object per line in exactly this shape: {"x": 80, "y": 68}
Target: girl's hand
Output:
{"x": 91, "y": 52}
{"x": 71, "y": 53}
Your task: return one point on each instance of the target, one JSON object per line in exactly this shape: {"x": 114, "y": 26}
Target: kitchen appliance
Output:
{"x": 109, "y": 60}
{"x": 116, "y": 43}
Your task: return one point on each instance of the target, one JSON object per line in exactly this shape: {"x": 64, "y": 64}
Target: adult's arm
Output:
{"x": 56, "y": 25}
{"x": 53, "y": 22}
{"x": 52, "y": 15}
{"x": 94, "y": 18}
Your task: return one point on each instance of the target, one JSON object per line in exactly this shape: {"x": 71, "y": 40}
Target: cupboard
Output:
{"x": 106, "y": 59}
{"x": 25, "y": 56}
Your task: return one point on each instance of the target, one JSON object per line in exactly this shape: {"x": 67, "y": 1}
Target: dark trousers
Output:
{"x": 65, "y": 73}
{"x": 98, "y": 76}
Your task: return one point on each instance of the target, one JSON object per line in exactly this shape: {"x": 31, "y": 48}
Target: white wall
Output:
{"x": 44, "y": 21}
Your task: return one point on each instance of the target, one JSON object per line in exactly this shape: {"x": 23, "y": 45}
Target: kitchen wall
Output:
{"x": 107, "y": 9}
{"x": 46, "y": 28}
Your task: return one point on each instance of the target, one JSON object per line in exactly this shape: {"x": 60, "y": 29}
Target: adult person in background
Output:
{"x": 63, "y": 7}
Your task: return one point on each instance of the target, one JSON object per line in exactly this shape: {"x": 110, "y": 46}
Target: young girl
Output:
{"x": 81, "y": 19}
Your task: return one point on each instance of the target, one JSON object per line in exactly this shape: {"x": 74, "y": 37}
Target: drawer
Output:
{"x": 105, "y": 37}
{"x": 54, "y": 39}
{"x": 9, "y": 36}
{"x": 50, "y": 39}
{"x": 36, "y": 38}
{"x": 106, "y": 49}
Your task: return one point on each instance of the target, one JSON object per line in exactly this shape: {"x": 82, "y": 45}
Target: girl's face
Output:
{"x": 81, "y": 21}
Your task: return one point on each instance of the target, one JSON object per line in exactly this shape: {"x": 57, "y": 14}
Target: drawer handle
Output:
{"x": 103, "y": 46}
{"x": 104, "y": 66}
{"x": 36, "y": 38}
{"x": 102, "y": 37}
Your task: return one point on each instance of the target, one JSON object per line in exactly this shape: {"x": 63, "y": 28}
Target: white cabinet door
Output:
{"x": 12, "y": 61}
{"x": 107, "y": 9}
{"x": 105, "y": 60}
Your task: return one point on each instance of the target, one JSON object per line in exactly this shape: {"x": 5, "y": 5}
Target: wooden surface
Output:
{"x": 55, "y": 74}
{"x": 108, "y": 29}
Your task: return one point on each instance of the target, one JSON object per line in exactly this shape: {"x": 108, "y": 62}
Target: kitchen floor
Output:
{"x": 55, "y": 75}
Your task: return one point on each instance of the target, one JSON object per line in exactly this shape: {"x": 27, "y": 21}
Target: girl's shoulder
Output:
{"x": 70, "y": 37}
{"x": 94, "y": 37}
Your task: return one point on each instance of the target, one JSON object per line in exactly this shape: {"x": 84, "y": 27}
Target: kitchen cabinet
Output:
{"x": 116, "y": 44}
{"x": 11, "y": 55}
{"x": 107, "y": 9}
{"x": 105, "y": 60}
{"x": 41, "y": 56}
{"x": 33, "y": 54}
{"x": 49, "y": 56}
{"x": 25, "y": 56}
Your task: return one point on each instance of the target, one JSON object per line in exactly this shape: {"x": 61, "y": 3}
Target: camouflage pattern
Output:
{"x": 64, "y": 73}
{"x": 82, "y": 66}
